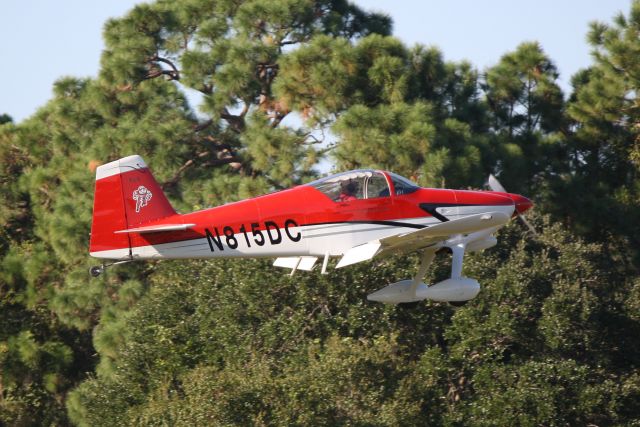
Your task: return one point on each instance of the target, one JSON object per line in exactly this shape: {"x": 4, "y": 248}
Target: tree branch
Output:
{"x": 170, "y": 64}
{"x": 277, "y": 119}
{"x": 155, "y": 70}
{"x": 245, "y": 109}
{"x": 315, "y": 140}
{"x": 160, "y": 72}
{"x": 326, "y": 150}
{"x": 287, "y": 42}
{"x": 236, "y": 122}
{"x": 202, "y": 126}
{"x": 225, "y": 160}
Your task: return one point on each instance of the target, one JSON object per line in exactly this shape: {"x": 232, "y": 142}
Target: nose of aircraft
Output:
{"x": 522, "y": 203}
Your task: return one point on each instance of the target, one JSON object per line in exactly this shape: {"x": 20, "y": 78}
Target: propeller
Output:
{"x": 495, "y": 185}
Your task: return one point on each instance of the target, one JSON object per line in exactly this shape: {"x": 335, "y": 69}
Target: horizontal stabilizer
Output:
{"x": 296, "y": 262}
{"x": 156, "y": 228}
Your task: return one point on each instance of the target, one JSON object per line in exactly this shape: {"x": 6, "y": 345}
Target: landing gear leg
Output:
{"x": 425, "y": 262}
{"x": 457, "y": 253}
{"x": 457, "y": 256}
{"x": 97, "y": 270}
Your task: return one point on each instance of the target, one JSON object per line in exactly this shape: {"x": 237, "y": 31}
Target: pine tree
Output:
{"x": 542, "y": 339}
{"x": 605, "y": 149}
{"x": 527, "y": 117}
{"x": 400, "y": 109}
{"x": 137, "y": 104}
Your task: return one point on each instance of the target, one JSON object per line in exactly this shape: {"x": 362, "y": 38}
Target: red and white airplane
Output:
{"x": 354, "y": 215}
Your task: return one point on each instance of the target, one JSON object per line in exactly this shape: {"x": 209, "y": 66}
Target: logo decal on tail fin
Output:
{"x": 142, "y": 196}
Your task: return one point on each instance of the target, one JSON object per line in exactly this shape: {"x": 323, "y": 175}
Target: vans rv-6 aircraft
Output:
{"x": 354, "y": 215}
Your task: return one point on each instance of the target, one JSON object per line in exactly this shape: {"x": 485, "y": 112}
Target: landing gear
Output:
{"x": 97, "y": 270}
{"x": 406, "y": 291}
{"x": 425, "y": 262}
{"x": 457, "y": 256}
{"x": 458, "y": 303}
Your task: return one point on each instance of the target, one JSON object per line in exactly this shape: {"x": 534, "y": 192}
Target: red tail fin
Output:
{"x": 126, "y": 196}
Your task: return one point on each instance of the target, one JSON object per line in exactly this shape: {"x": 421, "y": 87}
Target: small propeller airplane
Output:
{"x": 354, "y": 215}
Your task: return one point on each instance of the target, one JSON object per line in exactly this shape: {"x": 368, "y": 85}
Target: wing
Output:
{"x": 419, "y": 239}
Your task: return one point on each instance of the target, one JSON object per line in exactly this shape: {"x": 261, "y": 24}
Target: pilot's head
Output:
{"x": 349, "y": 187}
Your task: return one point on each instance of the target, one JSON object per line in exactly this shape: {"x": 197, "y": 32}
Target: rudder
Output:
{"x": 126, "y": 196}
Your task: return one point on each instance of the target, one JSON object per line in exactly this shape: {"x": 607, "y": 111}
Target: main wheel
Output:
{"x": 96, "y": 270}
{"x": 457, "y": 303}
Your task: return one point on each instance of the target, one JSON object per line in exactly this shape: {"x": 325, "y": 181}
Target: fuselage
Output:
{"x": 308, "y": 220}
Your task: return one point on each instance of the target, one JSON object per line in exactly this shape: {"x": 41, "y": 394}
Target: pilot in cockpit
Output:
{"x": 348, "y": 191}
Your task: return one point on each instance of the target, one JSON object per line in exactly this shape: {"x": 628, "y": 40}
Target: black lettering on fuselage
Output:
{"x": 291, "y": 223}
{"x": 271, "y": 230}
{"x": 272, "y": 226}
{"x": 232, "y": 242}
{"x": 214, "y": 240}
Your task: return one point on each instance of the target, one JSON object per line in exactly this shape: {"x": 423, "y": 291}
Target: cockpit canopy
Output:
{"x": 362, "y": 184}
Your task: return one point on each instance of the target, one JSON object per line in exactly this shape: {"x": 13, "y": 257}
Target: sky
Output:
{"x": 43, "y": 40}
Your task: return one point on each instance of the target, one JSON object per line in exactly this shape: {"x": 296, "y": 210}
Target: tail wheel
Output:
{"x": 96, "y": 270}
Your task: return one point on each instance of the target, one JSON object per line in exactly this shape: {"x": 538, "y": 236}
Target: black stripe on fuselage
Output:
{"x": 431, "y": 208}
{"x": 191, "y": 239}
{"x": 389, "y": 223}
{"x": 372, "y": 222}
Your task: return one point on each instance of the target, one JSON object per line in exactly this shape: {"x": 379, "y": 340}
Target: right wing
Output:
{"x": 419, "y": 239}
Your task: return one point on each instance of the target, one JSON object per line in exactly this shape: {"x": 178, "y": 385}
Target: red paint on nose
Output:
{"x": 483, "y": 198}
{"x": 522, "y": 203}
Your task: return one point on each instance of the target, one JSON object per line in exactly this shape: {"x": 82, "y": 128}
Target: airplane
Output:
{"x": 355, "y": 215}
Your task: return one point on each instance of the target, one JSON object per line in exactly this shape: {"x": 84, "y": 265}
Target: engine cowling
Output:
{"x": 453, "y": 289}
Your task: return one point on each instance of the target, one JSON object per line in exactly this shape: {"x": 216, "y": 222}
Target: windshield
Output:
{"x": 353, "y": 185}
{"x": 402, "y": 185}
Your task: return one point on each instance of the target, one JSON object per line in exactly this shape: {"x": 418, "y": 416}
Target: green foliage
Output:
{"x": 523, "y": 93}
{"x": 527, "y": 116}
{"x": 5, "y": 118}
{"x": 605, "y": 146}
{"x": 396, "y": 137}
{"x": 226, "y": 349}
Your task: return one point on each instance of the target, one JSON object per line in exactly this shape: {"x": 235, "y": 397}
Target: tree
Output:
{"x": 537, "y": 340}
{"x": 522, "y": 92}
{"x": 527, "y": 117}
{"x": 397, "y": 108}
{"x": 136, "y": 105}
{"x": 230, "y": 53}
{"x": 604, "y": 150}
